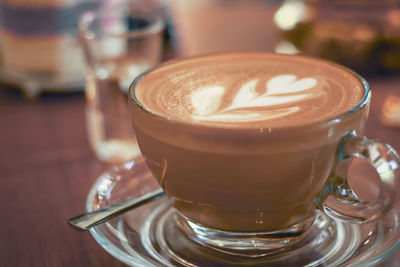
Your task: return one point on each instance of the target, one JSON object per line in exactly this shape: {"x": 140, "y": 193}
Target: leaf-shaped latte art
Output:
{"x": 249, "y": 116}
{"x": 281, "y": 89}
{"x": 265, "y": 101}
{"x": 284, "y": 84}
{"x": 245, "y": 94}
{"x": 206, "y": 100}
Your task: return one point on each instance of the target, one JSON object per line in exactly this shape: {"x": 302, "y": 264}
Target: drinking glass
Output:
{"x": 120, "y": 41}
{"x": 39, "y": 47}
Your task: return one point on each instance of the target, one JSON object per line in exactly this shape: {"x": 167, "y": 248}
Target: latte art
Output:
{"x": 249, "y": 90}
{"x": 281, "y": 89}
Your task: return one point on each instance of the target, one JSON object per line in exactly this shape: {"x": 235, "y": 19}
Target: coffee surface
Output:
{"x": 249, "y": 90}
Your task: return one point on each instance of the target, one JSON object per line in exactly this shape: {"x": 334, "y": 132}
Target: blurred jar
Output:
{"x": 39, "y": 48}
{"x": 209, "y": 26}
{"x": 361, "y": 34}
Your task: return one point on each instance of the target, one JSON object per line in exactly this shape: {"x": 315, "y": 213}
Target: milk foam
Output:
{"x": 257, "y": 89}
{"x": 281, "y": 89}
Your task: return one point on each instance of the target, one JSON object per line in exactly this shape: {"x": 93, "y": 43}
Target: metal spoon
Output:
{"x": 86, "y": 221}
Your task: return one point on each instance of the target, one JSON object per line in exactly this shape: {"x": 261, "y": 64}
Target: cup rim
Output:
{"x": 364, "y": 101}
{"x": 87, "y": 18}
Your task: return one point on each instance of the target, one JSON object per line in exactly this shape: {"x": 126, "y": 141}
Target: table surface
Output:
{"x": 47, "y": 169}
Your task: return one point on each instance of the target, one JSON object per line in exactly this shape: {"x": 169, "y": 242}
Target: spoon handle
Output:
{"x": 86, "y": 221}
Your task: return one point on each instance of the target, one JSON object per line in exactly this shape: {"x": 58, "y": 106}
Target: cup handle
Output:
{"x": 338, "y": 200}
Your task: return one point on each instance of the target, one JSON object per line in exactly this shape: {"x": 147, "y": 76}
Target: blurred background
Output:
{"x": 65, "y": 66}
{"x": 40, "y": 50}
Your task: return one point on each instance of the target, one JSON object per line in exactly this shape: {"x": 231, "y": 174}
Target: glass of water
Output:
{"x": 120, "y": 42}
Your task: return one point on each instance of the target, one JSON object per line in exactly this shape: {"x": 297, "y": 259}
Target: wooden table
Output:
{"x": 47, "y": 169}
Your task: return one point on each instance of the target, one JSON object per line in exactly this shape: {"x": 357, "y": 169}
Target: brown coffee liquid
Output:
{"x": 249, "y": 90}
{"x": 222, "y": 144}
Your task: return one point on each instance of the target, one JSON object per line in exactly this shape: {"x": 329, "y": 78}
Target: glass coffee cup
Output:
{"x": 253, "y": 151}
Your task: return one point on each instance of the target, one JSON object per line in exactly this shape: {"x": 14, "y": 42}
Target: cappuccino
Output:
{"x": 245, "y": 142}
{"x": 249, "y": 90}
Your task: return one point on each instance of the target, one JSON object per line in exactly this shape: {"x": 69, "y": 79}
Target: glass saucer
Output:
{"x": 147, "y": 236}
